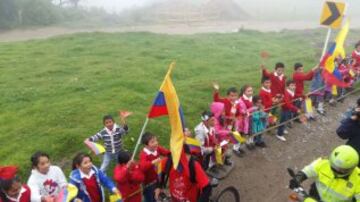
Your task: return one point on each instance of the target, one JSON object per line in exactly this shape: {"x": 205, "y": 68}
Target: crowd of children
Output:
{"x": 240, "y": 112}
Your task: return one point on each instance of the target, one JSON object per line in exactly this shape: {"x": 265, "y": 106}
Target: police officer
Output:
{"x": 336, "y": 179}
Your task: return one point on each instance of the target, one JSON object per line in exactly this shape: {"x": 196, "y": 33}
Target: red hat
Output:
{"x": 8, "y": 172}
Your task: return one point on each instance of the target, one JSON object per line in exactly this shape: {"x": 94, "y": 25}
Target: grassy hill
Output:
{"x": 54, "y": 92}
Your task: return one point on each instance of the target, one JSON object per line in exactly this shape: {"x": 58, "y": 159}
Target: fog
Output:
{"x": 187, "y": 16}
{"x": 286, "y": 10}
{"x": 116, "y": 6}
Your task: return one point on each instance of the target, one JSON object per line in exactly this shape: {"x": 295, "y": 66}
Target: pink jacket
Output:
{"x": 243, "y": 121}
{"x": 217, "y": 108}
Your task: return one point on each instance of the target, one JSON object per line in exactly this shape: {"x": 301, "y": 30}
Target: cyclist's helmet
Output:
{"x": 343, "y": 160}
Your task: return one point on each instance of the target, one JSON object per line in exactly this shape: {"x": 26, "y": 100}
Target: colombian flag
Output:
{"x": 67, "y": 193}
{"x": 194, "y": 145}
{"x": 94, "y": 147}
{"x": 331, "y": 74}
{"x": 167, "y": 103}
{"x": 159, "y": 168}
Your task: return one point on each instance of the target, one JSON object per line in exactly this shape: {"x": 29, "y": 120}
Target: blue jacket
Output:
{"x": 317, "y": 82}
{"x": 101, "y": 178}
{"x": 259, "y": 121}
{"x": 350, "y": 130}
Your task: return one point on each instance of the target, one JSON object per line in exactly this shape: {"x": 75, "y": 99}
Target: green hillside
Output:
{"x": 54, "y": 92}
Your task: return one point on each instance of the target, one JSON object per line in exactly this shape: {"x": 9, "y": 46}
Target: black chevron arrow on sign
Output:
{"x": 335, "y": 14}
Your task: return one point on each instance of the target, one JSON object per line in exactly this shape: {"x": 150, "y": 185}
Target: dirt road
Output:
{"x": 261, "y": 175}
{"x": 189, "y": 28}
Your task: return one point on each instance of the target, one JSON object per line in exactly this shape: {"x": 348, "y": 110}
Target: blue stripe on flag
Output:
{"x": 160, "y": 99}
{"x": 337, "y": 74}
{"x": 182, "y": 117}
{"x": 332, "y": 48}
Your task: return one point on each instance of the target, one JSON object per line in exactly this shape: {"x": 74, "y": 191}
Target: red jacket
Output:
{"x": 266, "y": 98}
{"x": 128, "y": 181}
{"x": 277, "y": 84}
{"x": 25, "y": 194}
{"x": 212, "y": 140}
{"x": 227, "y": 104}
{"x": 231, "y": 109}
{"x": 288, "y": 104}
{"x": 180, "y": 186}
{"x": 345, "y": 73}
{"x": 299, "y": 79}
{"x": 145, "y": 162}
{"x": 247, "y": 102}
{"x": 356, "y": 57}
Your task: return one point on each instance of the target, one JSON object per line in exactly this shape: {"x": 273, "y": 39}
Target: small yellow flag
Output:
{"x": 218, "y": 155}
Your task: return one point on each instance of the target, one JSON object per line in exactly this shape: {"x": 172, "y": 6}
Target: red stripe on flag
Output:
{"x": 333, "y": 80}
{"x": 157, "y": 111}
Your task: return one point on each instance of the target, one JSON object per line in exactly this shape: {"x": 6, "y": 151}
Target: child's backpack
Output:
{"x": 165, "y": 175}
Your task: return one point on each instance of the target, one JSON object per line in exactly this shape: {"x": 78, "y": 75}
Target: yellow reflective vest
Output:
{"x": 330, "y": 188}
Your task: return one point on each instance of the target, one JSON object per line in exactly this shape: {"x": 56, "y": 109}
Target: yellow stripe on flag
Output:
{"x": 238, "y": 137}
{"x": 173, "y": 107}
{"x": 340, "y": 39}
{"x": 308, "y": 105}
{"x": 192, "y": 141}
{"x": 218, "y": 156}
{"x": 339, "y": 49}
{"x": 115, "y": 198}
{"x": 334, "y": 90}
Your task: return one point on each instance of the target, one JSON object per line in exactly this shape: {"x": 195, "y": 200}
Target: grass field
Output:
{"x": 54, "y": 92}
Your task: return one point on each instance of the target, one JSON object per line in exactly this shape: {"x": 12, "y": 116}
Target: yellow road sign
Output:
{"x": 332, "y": 14}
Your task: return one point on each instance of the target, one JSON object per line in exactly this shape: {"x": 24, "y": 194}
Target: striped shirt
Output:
{"x": 112, "y": 138}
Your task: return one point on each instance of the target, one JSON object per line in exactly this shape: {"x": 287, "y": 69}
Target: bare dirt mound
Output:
{"x": 261, "y": 175}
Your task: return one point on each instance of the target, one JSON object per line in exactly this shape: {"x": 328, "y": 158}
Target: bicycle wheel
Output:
{"x": 229, "y": 194}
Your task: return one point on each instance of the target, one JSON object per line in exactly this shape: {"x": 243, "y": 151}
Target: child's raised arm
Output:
{"x": 265, "y": 72}
{"x": 95, "y": 137}
{"x": 216, "y": 86}
{"x": 123, "y": 115}
{"x": 216, "y": 95}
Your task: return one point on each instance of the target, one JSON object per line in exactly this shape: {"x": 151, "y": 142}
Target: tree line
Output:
{"x": 30, "y": 13}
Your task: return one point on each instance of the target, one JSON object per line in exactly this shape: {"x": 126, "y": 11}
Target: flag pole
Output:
{"x": 326, "y": 42}
{"x": 139, "y": 139}
{"x": 172, "y": 65}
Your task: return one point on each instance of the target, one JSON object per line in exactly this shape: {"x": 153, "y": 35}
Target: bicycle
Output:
{"x": 229, "y": 194}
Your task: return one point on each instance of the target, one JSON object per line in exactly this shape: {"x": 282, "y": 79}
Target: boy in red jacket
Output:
{"x": 230, "y": 104}
{"x": 11, "y": 189}
{"x": 266, "y": 96}
{"x": 128, "y": 177}
{"x": 277, "y": 78}
{"x": 150, "y": 156}
{"x": 270, "y": 103}
{"x": 187, "y": 183}
{"x": 287, "y": 109}
{"x": 356, "y": 58}
{"x": 299, "y": 77}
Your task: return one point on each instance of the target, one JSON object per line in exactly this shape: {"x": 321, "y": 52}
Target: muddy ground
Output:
{"x": 261, "y": 175}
